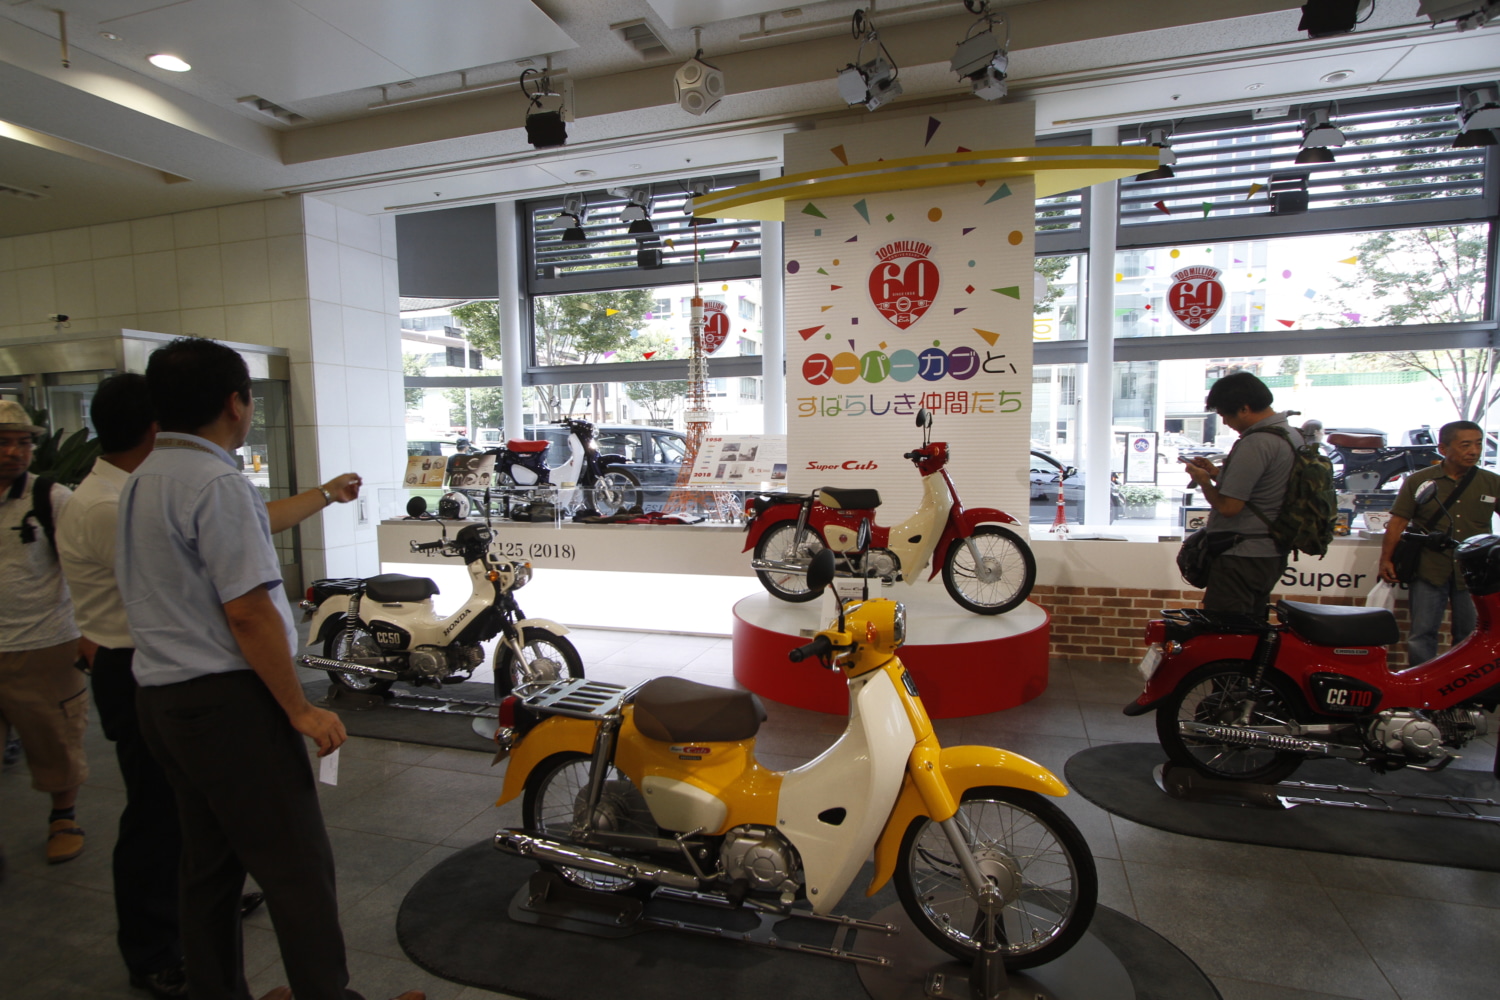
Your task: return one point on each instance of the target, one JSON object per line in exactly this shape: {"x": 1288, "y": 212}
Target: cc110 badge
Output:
{"x": 1196, "y": 295}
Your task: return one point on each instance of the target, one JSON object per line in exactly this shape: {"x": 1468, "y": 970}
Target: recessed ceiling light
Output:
{"x": 1255, "y": 86}
{"x": 583, "y": 173}
{"x": 109, "y": 36}
{"x": 1337, "y": 76}
{"x": 168, "y": 62}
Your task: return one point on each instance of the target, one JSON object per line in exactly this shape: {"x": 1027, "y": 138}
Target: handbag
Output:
{"x": 1406, "y": 557}
{"x": 1198, "y": 552}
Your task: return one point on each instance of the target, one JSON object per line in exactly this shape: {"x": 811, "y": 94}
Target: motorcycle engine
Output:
{"x": 760, "y": 856}
{"x": 883, "y": 563}
{"x": 1408, "y": 733}
{"x": 1460, "y": 725}
{"x": 428, "y": 661}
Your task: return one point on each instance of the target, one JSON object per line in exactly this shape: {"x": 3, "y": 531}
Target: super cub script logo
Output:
{"x": 1196, "y": 295}
{"x": 905, "y": 282}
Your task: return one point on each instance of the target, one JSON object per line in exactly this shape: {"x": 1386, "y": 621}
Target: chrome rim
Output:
{"x": 1217, "y": 700}
{"x": 996, "y": 576}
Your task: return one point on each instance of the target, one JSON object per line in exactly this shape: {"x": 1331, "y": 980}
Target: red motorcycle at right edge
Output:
{"x": 1247, "y": 700}
{"x": 987, "y": 568}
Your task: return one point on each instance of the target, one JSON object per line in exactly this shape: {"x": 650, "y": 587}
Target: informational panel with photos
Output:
{"x": 425, "y": 471}
{"x": 741, "y": 460}
{"x": 471, "y": 472}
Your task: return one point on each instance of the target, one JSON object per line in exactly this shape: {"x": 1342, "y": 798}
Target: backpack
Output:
{"x": 41, "y": 511}
{"x": 1309, "y": 507}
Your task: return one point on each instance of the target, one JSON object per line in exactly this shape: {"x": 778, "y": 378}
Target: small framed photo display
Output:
{"x": 1194, "y": 518}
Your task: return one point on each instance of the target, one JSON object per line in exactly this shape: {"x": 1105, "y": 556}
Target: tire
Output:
{"x": 615, "y": 490}
{"x": 549, "y": 806}
{"x": 1213, "y": 693}
{"x": 549, "y": 657}
{"x": 1003, "y": 578}
{"x": 335, "y": 648}
{"x": 777, "y": 544}
{"x": 1030, "y": 848}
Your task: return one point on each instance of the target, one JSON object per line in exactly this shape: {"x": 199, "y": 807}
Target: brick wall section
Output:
{"x": 1109, "y": 623}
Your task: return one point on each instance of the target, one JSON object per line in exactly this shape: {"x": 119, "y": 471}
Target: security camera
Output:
{"x": 57, "y": 318}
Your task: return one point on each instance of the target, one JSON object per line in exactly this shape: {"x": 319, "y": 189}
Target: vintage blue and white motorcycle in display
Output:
{"x": 384, "y": 629}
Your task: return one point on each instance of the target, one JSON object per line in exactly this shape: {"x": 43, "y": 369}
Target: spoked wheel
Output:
{"x": 615, "y": 490}
{"x": 547, "y": 657}
{"x": 1032, "y": 854}
{"x": 555, "y": 798}
{"x": 336, "y": 646}
{"x": 781, "y": 544}
{"x": 990, "y": 572}
{"x": 1216, "y": 693}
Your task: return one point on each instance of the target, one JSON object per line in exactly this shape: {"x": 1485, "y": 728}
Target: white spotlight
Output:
{"x": 699, "y": 85}
{"x": 980, "y": 57}
{"x": 872, "y": 82}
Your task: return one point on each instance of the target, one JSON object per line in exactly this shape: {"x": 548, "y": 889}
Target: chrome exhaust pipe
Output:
{"x": 1237, "y": 736}
{"x": 527, "y": 845}
{"x": 349, "y": 667}
{"x": 776, "y": 566}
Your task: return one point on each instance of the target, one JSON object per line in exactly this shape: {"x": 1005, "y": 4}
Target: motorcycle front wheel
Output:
{"x": 782, "y": 544}
{"x": 554, "y": 801}
{"x": 1029, "y": 850}
{"x": 998, "y": 580}
{"x": 336, "y": 646}
{"x": 547, "y": 657}
{"x": 614, "y": 491}
{"x": 1214, "y": 693}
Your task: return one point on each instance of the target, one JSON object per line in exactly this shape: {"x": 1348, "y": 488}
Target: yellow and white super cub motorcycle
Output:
{"x": 659, "y": 786}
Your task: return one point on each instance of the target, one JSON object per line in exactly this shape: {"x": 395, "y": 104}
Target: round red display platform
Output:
{"x": 964, "y": 664}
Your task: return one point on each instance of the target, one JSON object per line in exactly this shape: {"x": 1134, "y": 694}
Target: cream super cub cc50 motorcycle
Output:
{"x": 658, "y": 786}
{"x": 384, "y": 629}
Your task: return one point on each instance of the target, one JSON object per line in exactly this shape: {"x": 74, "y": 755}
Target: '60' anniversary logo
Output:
{"x": 904, "y": 283}
{"x": 1196, "y": 295}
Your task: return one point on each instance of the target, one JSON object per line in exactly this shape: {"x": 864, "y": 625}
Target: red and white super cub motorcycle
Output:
{"x": 987, "y": 568}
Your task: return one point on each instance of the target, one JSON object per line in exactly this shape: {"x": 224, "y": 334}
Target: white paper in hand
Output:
{"x": 328, "y": 772}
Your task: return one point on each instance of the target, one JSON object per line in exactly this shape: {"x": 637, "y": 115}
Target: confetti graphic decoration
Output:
{"x": 609, "y": 354}
{"x": 959, "y": 309}
{"x": 852, "y": 239}
{"x": 843, "y": 157}
{"x": 1015, "y": 237}
{"x": 1161, "y": 206}
{"x": 932, "y": 126}
{"x": 1288, "y": 323}
{"x": 1349, "y": 260}
{"x": 734, "y": 246}
{"x": 1238, "y": 261}
{"x": 968, "y": 230}
{"x": 1261, "y": 308}
{"x": 1119, "y": 276}
{"x": 969, "y": 289}
{"x": 834, "y": 288}
{"x": 611, "y": 312}
{"x": 1254, "y": 190}
{"x": 811, "y": 209}
{"x": 817, "y": 232}
{"x": 862, "y": 209}
{"x": 1002, "y": 192}
{"x": 1175, "y": 254}
{"x": 962, "y": 149}
{"x": 648, "y": 355}
{"x": 989, "y": 336}
{"x": 824, "y": 308}
{"x": 808, "y": 333}
{"x": 890, "y": 218}
{"x": 973, "y": 263}
{"x": 1309, "y": 294}
{"x": 934, "y": 214}
{"x": 1208, "y": 206}
{"x": 822, "y": 271}
{"x": 854, "y": 321}
{"x": 1352, "y": 317}
{"x": 851, "y": 344}
{"x": 671, "y": 244}
{"x": 792, "y": 267}
{"x": 1013, "y": 291}
{"x": 1286, "y": 274}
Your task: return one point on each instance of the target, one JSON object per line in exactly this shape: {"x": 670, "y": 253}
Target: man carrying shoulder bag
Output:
{"x": 1459, "y": 505}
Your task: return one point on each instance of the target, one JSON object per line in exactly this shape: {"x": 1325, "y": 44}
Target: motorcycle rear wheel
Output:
{"x": 614, "y": 491}
{"x": 1024, "y": 844}
{"x": 1001, "y": 579}
{"x": 778, "y": 544}
{"x": 336, "y": 648}
{"x": 552, "y": 803}
{"x": 1213, "y": 693}
{"x": 549, "y": 657}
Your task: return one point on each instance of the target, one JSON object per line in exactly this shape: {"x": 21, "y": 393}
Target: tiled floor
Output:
{"x": 1264, "y": 923}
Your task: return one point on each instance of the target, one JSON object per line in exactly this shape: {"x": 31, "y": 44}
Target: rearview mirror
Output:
{"x": 862, "y": 536}
{"x": 820, "y": 572}
{"x": 1425, "y": 491}
{"x": 924, "y": 419}
{"x": 416, "y": 506}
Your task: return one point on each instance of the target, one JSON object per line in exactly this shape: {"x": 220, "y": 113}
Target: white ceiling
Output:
{"x": 412, "y": 104}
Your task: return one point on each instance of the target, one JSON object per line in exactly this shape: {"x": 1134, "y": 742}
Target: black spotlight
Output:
{"x": 1322, "y": 18}
{"x": 642, "y": 228}
{"x": 545, "y": 129}
{"x": 1288, "y": 193}
{"x": 1314, "y": 154}
{"x": 648, "y": 258}
{"x": 574, "y": 234}
{"x": 1474, "y": 137}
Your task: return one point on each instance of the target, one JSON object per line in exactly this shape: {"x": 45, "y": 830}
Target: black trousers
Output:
{"x": 1242, "y": 584}
{"x": 247, "y": 802}
{"x": 149, "y": 845}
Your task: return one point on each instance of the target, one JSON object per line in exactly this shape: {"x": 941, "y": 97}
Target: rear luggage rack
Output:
{"x": 578, "y": 698}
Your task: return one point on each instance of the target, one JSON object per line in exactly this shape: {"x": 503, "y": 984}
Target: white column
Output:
{"x": 773, "y": 311}
{"x": 1098, "y": 410}
{"x": 508, "y": 306}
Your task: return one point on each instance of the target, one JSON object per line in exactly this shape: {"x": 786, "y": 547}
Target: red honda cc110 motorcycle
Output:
{"x": 1246, "y": 700}
{"x": 986, "y": 567}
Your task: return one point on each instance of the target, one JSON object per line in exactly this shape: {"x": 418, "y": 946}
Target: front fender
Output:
{"x": 337, "y": 604}
{"x": 962, "y": 526}
{"x": 763, "y": 522}
{"x": 963, "y": 768}
{"x": 548, "y": 624}
{"x": 556, "y": 734}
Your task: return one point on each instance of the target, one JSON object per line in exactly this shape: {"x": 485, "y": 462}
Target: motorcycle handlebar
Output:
{"x": 911, "y": 456}
{"x": 821, "y": 646}
{"x": 425, "y": 546}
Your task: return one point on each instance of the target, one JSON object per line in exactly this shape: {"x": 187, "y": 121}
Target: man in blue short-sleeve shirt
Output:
{"x": 220, "y": 703}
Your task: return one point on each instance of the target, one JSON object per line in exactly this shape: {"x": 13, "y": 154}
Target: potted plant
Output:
{"x": 1140, "y": 501}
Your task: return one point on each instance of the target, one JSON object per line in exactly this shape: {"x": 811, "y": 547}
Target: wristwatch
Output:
{"x": 327, "y": 497}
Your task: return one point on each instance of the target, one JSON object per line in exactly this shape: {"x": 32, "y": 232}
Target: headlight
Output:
{"x": 898, "y": 626}
{"x": 523, "y": 575}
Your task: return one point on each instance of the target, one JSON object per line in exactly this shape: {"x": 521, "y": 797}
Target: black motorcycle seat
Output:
{"x": 677, "y": 710}
{"x": 1334, "y": 625}
{"x": 846, "y": 499}
{"x": 393, "y": 588}
{"x": 324, "y": 589}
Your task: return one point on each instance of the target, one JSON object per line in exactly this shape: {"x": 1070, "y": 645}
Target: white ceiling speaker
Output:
{"x": 699, "y": 85}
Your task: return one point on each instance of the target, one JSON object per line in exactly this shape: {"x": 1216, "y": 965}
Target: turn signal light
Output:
{"x": 507, "y": 710}
{"x": 1156, "y": 631}
{"x": 309, "y": 593}
{"x": 492, "y": 576}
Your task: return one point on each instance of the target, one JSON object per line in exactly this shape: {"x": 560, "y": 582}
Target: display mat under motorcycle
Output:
{"x": 408, "y": 714}
{"x": 1122, "y": 779}
{"x": 454, "y": 924}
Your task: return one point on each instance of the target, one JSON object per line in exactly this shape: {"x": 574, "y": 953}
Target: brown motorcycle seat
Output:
{"x": 1334, "y": 625}
{"x": 393, "y": 588}
{"x": 677, "y": 710}
{"x": 1356, "y": 440}
{"x": 846, "y": 499}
